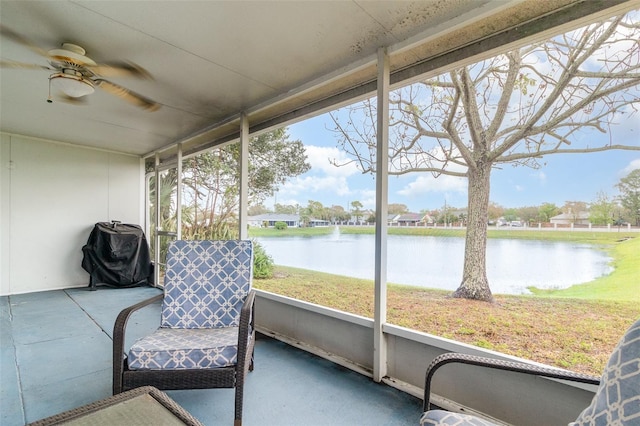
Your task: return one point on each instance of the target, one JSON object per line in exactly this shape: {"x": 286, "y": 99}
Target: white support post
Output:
{"x": 179, "y": 195}
{"x": 244, "y": 177}
{"x": 382, "y": 198}
{"x": 156, "y": 225}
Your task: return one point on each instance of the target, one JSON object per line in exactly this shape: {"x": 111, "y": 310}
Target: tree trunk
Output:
{"x": 474, "y": 276}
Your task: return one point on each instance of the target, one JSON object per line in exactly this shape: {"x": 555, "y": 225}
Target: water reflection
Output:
{"x": 436, "y": 262}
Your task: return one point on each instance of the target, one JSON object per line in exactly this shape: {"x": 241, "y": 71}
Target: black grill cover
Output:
{"x": 117, "y": 255}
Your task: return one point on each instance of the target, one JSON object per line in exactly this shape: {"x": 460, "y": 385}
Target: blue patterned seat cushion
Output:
{"x": 206, "y": 283}
{"x": 442, "y": 417}
{"x": 617, "y": 400}
{"x": 170, "y": 348}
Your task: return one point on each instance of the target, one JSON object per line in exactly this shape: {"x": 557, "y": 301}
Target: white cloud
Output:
{"x": 427, "y": 183}
{"x": 519, "y": 188}
{"x": 633, "y": 165}
{"x": 367, "y": 198}
{"x": 540, "y": 175}
{"x": 311, "y": 184}
{"x": 284, "y": 202}
{"x": 323, "y": 176}
{"x": 320, "y": 158}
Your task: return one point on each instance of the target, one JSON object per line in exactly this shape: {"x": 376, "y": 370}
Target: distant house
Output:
{"x": 269, "y": 220}
{"x": 427, "y": 219}
{"x": 409, "y": 219}
{"x": 318, "y": 222}
{"x": 580, "y": 218}
{"x": 361, "y": 218}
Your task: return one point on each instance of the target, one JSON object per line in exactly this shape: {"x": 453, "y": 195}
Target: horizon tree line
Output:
{"x": 603, "y": 209}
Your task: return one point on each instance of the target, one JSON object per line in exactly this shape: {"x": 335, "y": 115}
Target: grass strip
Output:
{"x": 622, "y": 284}
{"x": 546, "y": 234}
{"x": 290, "y": 232}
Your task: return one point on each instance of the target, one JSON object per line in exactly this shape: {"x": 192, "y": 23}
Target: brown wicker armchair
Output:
{"x": 619, "y": 407}
{"x": 207, "y": 336}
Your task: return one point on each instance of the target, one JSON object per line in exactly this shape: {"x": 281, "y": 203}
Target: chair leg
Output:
{"x": 239, "y": 402}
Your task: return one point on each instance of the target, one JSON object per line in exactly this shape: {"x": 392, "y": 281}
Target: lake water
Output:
{"x": 436, "y": 262}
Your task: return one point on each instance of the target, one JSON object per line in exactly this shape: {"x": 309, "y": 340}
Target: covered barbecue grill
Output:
{"x": 116, "y": 255}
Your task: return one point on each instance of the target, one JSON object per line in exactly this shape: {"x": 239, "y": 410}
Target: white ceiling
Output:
{"x": 212, "y": 60}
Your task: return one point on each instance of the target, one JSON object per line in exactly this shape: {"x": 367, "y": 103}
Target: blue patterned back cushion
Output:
{"x": 206, "y": 283}
{"x": 617, "y": 400}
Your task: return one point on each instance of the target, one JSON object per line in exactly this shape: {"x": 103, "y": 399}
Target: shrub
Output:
{"x": 280, "y": 225}
{"x": 262, "y": 262}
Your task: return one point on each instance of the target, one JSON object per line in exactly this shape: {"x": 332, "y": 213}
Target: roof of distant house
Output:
{"x": 278, "y": 217}
{"x": 572, "y": 216}
{"x": 410, "y": 217}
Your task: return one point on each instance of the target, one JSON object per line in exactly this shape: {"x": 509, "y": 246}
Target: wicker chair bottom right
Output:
{"x": 616, "y": 401}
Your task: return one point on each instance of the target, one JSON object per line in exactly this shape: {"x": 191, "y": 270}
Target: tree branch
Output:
{"x": 520, "y": 156}
{"x": 453, "y": 131}
{"x": 468, "y": 92}
{"x": 501, "y": 109}
{"x": 577, "y": 56}
{"x": 435, "y": 170}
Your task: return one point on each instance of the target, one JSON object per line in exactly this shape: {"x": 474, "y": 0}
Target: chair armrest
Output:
{"x": 498, "y": 364}
{"x": 118, "y": 339}
{"x": 245, "y": 329}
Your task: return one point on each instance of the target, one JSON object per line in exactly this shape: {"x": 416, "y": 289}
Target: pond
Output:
{"x": 436, "y": 262}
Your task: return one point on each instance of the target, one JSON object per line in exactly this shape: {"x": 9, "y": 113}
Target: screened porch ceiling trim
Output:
{"x": 427, "y": 54}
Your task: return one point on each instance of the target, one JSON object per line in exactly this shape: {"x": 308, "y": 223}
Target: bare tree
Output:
{"x": 516, "y": 108}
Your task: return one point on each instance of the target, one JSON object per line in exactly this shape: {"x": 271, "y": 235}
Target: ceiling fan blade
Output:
{"x": 22, "y": 65}
{"x": 127, "y": 95}
{"x": 119, "y": 69}
{"x": 10, "y": 34}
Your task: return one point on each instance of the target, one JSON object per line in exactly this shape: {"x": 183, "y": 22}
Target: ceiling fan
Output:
{"x": 76, "y": 75}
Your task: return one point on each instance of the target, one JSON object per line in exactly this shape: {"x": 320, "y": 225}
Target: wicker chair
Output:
{"x": 206, "y": 336}
{"x": 615, "y": 401}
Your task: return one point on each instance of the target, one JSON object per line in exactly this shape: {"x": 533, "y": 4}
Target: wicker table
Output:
{"x": 141, "y": 406}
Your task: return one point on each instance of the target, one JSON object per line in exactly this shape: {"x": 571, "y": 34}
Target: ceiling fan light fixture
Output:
{"x": 71, "y": 85}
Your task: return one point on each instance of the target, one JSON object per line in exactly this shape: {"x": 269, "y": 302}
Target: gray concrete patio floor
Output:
{"x": 55, "y": 355}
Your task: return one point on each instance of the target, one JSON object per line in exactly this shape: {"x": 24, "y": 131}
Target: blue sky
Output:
{"x": 561, "y": 178}
{"x": 564, "y": 177}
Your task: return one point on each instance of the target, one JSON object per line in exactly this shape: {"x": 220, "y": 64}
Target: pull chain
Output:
{"x": 49, "y": 100}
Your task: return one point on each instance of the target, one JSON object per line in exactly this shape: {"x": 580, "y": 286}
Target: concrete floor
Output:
{"x": 55, "y": 355}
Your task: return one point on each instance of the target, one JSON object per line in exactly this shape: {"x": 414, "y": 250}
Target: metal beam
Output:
{"x": 244, "y": 177}
{"x": 382, "y": 201}
{"x": 156, "y": 224}
{"x": 179, "y": 194}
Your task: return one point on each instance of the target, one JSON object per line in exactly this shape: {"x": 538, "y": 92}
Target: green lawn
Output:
{"x": 577, "y": 334}
{"x": 622, "y": 284}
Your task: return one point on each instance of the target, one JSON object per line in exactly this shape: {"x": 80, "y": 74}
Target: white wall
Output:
{"x": 52, "y": 194}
